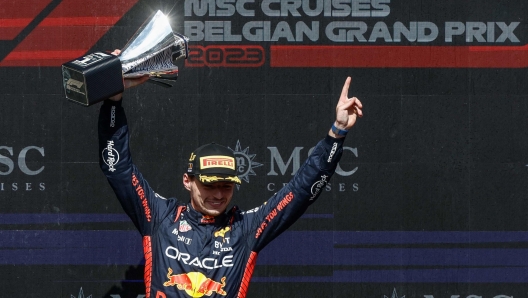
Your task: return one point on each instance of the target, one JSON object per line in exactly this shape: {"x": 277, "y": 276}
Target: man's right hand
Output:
{"x": 128, "y": 83}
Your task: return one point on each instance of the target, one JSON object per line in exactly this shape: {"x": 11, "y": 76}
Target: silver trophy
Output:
{"x": 152, "y": 50}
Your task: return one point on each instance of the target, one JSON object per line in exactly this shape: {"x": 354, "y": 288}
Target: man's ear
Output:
{"x": 187, "y": 181}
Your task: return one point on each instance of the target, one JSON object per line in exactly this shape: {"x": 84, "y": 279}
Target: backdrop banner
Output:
{"x": 428, "y": 201}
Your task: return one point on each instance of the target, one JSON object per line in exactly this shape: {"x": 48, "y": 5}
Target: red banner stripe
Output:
{"x": 61, "y": 38}
{"x": 80, "y": 21}
{"x": 10, "y": 33}
{"x": 16, "y": 15}
{"x": 69, "y": 31}
{"x": 37, "y": 55}
{"x": 399, "y": 56}
{"x": 41, "y": 58}
{"x": 21, "y": 22}
{"x": 92, "y": 8}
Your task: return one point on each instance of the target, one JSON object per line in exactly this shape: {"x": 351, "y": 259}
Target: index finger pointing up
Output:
{"x": 344, "y": 93}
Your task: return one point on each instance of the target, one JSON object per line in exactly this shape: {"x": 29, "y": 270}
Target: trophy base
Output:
{"x": 92, "y": 78}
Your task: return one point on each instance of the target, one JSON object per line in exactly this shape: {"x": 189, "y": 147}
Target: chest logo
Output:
{"x": 207, "y": 219}
{"x": 222, "y": 232}
{"x": 184, "y": 226}
{"x": 195, "y": 284}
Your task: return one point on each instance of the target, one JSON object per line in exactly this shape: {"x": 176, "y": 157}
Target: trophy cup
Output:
{"x": 152, "y": 50}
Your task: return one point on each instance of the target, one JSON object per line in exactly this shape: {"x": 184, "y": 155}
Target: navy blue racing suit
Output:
{"x": 186, "y": 253}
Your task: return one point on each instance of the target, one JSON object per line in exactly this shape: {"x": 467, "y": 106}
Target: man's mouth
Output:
{"x": 215, "y": 203}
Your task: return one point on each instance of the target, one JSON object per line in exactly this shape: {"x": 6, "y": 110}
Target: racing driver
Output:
{"x": 200, "y": 247}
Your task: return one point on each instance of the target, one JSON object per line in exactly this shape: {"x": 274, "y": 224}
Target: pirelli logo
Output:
{"x": 217, "y": 161}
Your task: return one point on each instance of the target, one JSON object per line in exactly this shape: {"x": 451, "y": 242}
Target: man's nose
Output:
{"x": 217, "y": 193}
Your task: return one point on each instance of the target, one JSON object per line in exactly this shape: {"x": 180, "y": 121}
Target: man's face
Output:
{"x": 209, "y": 199}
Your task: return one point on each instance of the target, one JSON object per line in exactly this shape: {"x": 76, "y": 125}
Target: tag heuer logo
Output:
{"x": 184, "y": 226}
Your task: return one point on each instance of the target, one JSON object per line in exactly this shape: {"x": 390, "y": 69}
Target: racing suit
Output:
{"x": 186, "y": 253}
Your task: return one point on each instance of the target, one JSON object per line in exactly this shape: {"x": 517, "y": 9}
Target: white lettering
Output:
{"x": 481, "y": 32}
{"x": 209, "y": 260}
{"x": 332, "y": 152}
{"x": 112, "y": 116}
{"x": 471, "y": 296}
{"x": 357, "y": 29}
{"x": 112, "y": 156}
{"x": 7, "y": 161}
{"x": 175, "y": 254}
{"x": 507, "y": 32}
{"x": 196, "y": 262}
{"x": 22, "y": 161}
{"x": 227, "y": 261}
{"x": 294, "y": 158}
{"x": 251, "y": 31}
{"x": 22, "y": 165}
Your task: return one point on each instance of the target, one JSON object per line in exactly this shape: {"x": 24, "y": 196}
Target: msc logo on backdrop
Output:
{"x": 287, "y": 167}
{"x": 394, "y": 295}
{"x": 28, "y": 161}
{"x": 81, "y": 295}
{"x": 245, "y": 163}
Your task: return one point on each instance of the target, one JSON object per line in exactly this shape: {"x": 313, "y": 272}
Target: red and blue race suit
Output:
{"x": 191, "y": 255}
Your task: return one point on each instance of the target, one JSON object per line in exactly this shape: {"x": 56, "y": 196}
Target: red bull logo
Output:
{"x": 195, "y": 284}
{"x": 222, "y": 232}
{"x": 207, "y": 219}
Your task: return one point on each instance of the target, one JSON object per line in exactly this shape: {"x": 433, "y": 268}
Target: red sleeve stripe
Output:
{"x": 248, "y": 272}
{"x": 147, "y": 250}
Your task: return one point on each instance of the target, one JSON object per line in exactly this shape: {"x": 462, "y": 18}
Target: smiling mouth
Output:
{"x": 215, "y": 203}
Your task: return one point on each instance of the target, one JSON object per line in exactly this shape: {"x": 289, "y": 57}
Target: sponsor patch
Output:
{"x": 112, "y": 116}
{"x": 206, "y": 219}
{"x": 196, "y": 284}
{"x": 222, "y": 232}
{"x": 334, "y": 149}
{"x": 110, "y": 156}
{"x": 318, "y": 186}
{"x": 217, "y": 161}
{"x": 184, "y": 226}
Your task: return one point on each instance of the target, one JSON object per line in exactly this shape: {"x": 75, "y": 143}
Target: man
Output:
{"x": 202, "y": 247}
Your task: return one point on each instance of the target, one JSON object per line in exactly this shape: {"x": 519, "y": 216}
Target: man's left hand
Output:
{"x": 348, "y": 109}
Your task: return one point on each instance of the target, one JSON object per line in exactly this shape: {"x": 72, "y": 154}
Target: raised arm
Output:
{"x": 287, "y": 205}
{"x": 137, "y": 198}
{"x": 348, "y": 110}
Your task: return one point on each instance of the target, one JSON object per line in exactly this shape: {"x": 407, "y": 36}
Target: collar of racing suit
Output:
{"x": 198, "y": 217}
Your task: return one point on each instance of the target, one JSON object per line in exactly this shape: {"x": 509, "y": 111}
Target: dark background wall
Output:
{"x": 430, "y": 198}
